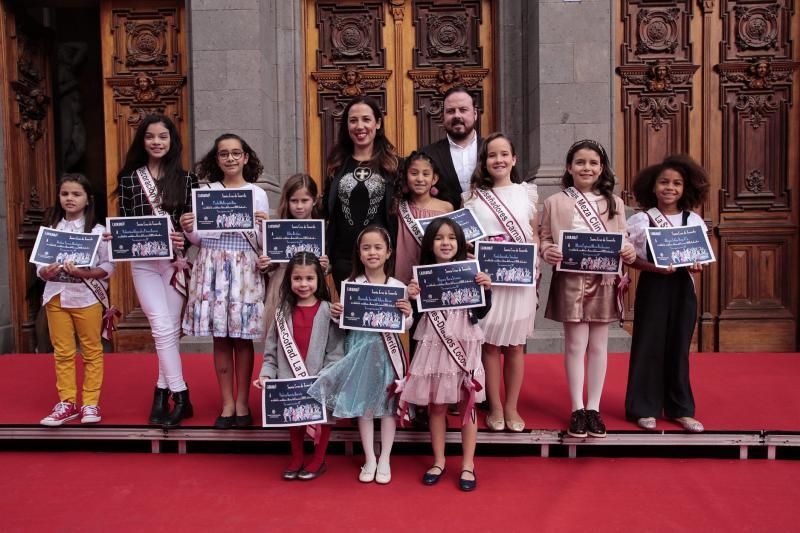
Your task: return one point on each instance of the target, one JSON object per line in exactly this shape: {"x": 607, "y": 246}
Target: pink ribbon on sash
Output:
{"x": 470, "y": 386}
{"x": 182, "y": 265}
{"x": 108, "y": 328}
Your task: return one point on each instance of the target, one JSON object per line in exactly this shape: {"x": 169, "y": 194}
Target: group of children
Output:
{"x": 459, "y": 357}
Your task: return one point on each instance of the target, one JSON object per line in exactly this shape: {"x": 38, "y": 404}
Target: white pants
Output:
{"x": 162, "y": 305}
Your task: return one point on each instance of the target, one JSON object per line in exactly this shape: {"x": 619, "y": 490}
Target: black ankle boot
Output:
{"x": 182, "y": 409}
{"x": 160, "y": 408}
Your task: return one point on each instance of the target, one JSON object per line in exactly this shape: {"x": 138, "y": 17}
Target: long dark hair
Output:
{"x": 402, "y": 177}
{"x": 358, "y": 266}
{"x": 481, "y": 179}
{"x": 288, "y": 298}
{"x": 208, "y": 168}
{"x": 427, "y": 256}
{"x": 695, "y": 182}
{"x": 172, "y": 182}
{"x": 57, "y": 212}
{"x": 384, "y": 156}
{"x": 604, "y": 186}
{"x": 296, "y": 183}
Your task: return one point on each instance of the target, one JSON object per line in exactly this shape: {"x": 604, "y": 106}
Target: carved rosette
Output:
{"x": 146, "y": 43}
{"x": 757, "y": 26}
{"x": 351, "y": 37}
{"x": 658, "y": 30}
{"x": 754, "y": 181}
{"x": 447, "y": 35}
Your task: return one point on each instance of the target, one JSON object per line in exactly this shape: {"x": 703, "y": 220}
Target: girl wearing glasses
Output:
{"x": 152, "y": 182}
{"x": 226, "y": 294}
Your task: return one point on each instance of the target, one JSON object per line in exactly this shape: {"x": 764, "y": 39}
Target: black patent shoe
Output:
{"x": 289, "y": 475}
{"x": 225, "y": 422}
{"x": 243, "y": 421}
{"x": 305, "y": 475}
{"x": 594, "y": 424}
{"x": 468, "y": 485}
{"x": 432, "y": 479}
{"x": 577, "y": 424}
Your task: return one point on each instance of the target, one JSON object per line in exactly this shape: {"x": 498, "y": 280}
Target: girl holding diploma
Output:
{"x": 666, "y": 304}
{"x": 585, "y": 303}
{"x": 152, "y": 182}
{"x": 449, "y": 372}
{"x": 226, "y": 296}
{"x": 72, "y": 306}
{"x": 506, "y": 208}
{"x": 360, "y": 385}
{"x": 299, "y": 200}
{"x": 303, "y": 328}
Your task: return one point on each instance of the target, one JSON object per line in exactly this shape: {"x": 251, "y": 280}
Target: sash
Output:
{"x": 503, "y": 215}
{"x": 111, "y": 312}
{"x": 296, "y": 362}
{"x": 438, "y": 320}
{"x": 409, "y": 221}
{"x": 658, "y": 218}
{"x": 183, "y": 268}
{"x": 399, "y": 361}
{"x": 592, "y": 218}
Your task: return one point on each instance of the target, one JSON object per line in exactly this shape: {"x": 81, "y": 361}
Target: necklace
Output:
{"x": 362, "y": 172}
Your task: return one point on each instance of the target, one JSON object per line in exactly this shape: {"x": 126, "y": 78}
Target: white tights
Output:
{"x": 366, "y": 428}
{"x": 590, "y": 338}
{"x": 162, "y": 305}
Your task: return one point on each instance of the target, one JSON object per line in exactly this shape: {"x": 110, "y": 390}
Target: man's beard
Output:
{"x": 458, "y": 136}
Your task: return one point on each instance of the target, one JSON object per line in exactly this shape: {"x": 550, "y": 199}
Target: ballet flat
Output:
{"x": 647, "y": 422}
{"x": 498, "y": 424}
{"x": 692, "y": 426}
{"x": 367, "y": 474}
{"x": 517, "y": 426}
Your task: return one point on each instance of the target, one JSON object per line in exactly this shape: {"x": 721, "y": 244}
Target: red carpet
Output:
{"x": 733, "y": 392}
{"x": 81, "y": 491}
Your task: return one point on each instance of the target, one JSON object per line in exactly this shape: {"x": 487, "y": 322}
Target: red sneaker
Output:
{"x": 90, "y": 414}
{"x": 62, "y": 412}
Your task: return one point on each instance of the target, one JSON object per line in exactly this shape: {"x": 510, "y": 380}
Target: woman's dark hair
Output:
{"x": 481, "y": 179}
{"x": 384, "y": 156}
{"x": 208, "y": 168}
{"x": 57, "y": 212}
{"x": 288, "y": 298}
{"x": 604, "y": 186}
{"x": 296, "y": 183}
{"x": 695, "y": 182}
{"x": 402, "y": 177}
{"x": 427, "y": 256}
{"x": 358, "y": 266}
{"x": 172, "y": 181}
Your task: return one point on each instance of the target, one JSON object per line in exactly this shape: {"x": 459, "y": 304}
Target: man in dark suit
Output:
{"x": 457, "y": 154}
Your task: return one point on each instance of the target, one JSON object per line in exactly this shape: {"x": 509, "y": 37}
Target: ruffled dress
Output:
{"x": 434, "y": 377}
{"x": 510, "y": 320}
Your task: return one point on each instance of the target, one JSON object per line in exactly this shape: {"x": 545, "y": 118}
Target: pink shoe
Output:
{"x": 62, "y": 412}
{"x": 90, "y": 414}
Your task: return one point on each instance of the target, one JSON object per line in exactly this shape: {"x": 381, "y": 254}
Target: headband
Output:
{"x": 593, "y": 144}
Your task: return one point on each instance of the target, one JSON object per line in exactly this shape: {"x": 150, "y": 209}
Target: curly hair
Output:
{"x": 427, "y": 257}
{"x": 208, "y": 168}
{"x": 604, "y": 186}
{"x": 481, "y": 179}
{"x": 695, "y": 182}
{"x": 298, "y": 182}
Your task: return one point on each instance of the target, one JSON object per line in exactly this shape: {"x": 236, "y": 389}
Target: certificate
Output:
{"x": 590, "y": 252}
{"x": 463, "y": 217}
{"x": 54, "y": 246}
{"x": 284, "y": 238}
{"x": 507, "y": 263}
{"x": 139, "y": 238}
{"x": 223, "y": 209}
{"x": 448, "y": 286}
{"x": 285, "y": 402}
{"x": 370, "y": 307}
{"x": 679, "y": 246}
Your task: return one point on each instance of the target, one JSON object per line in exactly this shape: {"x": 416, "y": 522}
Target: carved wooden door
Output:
{"x": 718, "y": 79}
{"x": 404, "y": 53}
{"x": 145, "y": 62}
{"x": 30, "y": 159}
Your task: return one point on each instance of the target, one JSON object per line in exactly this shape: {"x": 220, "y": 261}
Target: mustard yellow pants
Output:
{"x": 64, "y": 323}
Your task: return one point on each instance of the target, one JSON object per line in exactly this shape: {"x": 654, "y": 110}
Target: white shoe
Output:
{"x": 383, "y": 474}
{"x": 90, "y": 414}
{"x": 367, "y": 474}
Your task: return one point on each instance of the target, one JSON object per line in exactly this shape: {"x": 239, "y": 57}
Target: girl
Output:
{"x": 299, "y": 200}
{"x": 419, "y": 201}
{"x": 436, "y": 378}
{"x": 305, "y": 315}
{"x": 506, "y": 208}
{"x": 72, "y": 306}
{"x": 666, "y": 304}
{"x": 357, "y": 385}
{"x": 585, "y": 303}
{"x": 152, "y": 182}
{"x": 359, "y": 188}
{"x": 226, "y": 296}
